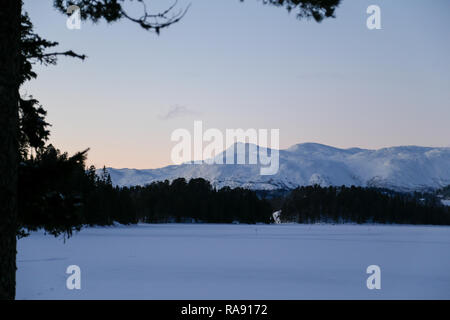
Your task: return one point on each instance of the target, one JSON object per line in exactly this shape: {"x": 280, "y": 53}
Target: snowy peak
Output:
{"x": 404, "y": 168}
{"x": 310, "y": 147}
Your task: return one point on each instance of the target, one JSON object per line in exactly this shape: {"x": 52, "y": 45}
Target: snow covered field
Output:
{"x": 207, "y": 261}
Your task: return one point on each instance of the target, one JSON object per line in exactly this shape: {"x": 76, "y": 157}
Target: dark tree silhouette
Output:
{"x": 316, "y": 9}
{"x": 10, "y": 14}
{"x": 18, "y": 47}
{"x": 311, "y": 204}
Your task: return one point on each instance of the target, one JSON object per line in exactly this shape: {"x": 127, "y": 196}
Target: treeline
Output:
{"x": 444, "y": 192}
{"x": 177, "y": 201}
{"x": 58, "y": 194}
{"x": 313, "y": 204}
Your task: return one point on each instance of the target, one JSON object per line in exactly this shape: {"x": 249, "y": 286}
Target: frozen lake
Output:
{"x": 211, "y": 261}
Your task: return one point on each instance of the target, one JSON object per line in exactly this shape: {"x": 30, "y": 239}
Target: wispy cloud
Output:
{"x": 176, "y": 111}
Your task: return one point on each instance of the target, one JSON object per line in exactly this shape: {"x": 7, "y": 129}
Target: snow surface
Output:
{"x": 207, "y": 261}
{"x": 405, "y": 168}
{"x": 446, "y": 202}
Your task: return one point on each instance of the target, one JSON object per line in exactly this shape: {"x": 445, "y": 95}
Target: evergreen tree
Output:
{"x": 16, "y": 52}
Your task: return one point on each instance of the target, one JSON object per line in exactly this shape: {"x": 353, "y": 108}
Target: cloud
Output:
{"x": 176, "y": 111}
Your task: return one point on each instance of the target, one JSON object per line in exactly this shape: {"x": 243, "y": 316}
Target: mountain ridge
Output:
{"x": 401, "y": 168}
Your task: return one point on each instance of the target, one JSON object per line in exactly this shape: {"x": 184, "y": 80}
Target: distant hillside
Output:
{"x": 404, "y": 168}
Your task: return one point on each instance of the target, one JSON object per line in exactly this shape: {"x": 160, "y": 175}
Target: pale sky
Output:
{"x": 245, "y": 65}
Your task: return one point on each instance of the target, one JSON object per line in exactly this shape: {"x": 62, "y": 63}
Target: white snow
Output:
{"x": 207, "y": 261}
{"x": 277, "y": 216}
{"x": 405, "y": 168}
{"x": 446, "y": 202}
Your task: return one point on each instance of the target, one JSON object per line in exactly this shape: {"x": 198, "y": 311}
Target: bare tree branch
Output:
{"x": 68, "y": 53}
{"x": 158, "y": 21}
{"x": 113, "y": 10}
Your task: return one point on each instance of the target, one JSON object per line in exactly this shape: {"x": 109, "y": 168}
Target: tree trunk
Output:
{"x": 10, "y": 12}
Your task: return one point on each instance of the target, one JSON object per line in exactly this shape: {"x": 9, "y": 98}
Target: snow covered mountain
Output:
{"x": 404, "y": 168}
